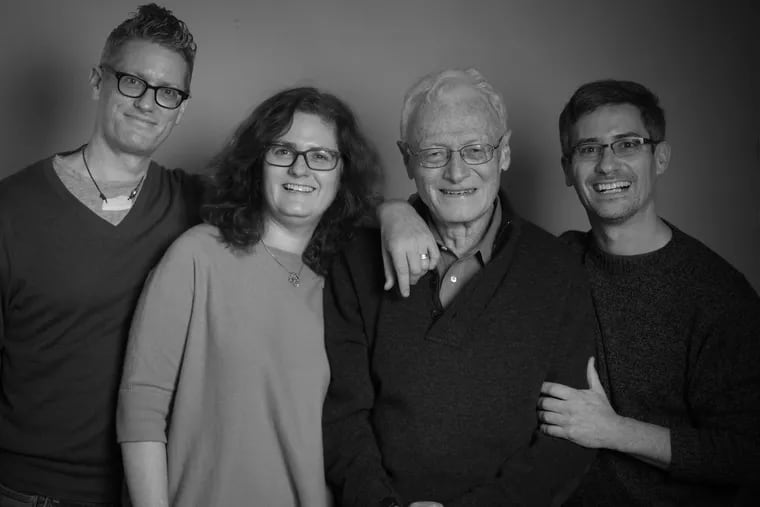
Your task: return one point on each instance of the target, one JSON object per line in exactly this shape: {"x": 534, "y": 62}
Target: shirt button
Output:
{"x": 453, "y": 279}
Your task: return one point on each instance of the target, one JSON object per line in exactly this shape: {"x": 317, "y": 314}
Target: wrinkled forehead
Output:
{"x": 454, "y": 109}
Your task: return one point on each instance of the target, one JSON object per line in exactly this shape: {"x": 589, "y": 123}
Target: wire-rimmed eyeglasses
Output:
{"x": 624, "y": 147}
{"x": 472, "y": 154}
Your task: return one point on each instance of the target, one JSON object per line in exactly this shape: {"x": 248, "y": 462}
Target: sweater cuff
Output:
{"x": 141, "y": 414}
{"x": 685, "y": 455}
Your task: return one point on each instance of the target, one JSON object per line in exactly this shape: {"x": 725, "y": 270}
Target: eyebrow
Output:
{"x": 472, "y": 141}
{"x": 292, "y": 146}
{"x": 614, "y": 138}
{"x": 160, "y": 84}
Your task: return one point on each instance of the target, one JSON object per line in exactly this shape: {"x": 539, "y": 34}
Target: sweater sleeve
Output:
{"x": 155, "y": 347}
{"x": 4, "y": 287}
{"x": 547, "y": 470}
{"x": 720, "y": 441}
{"x": 353, "y": 463}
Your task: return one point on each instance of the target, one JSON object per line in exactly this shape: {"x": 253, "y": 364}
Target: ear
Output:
{"x": 662, "y": 157}
{"x": 181, "y": 112}
{"x": 505, "y": 155}
{"x": 405, "y": 156}
{"x": 96, "y": 81}
{"x": 567, "y": 168}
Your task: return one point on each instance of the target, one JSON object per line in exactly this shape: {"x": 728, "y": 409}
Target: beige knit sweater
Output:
{"x": 226, "y": 364}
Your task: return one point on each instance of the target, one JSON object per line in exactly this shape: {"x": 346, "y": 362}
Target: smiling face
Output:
{"x": 615, "y": 189}
{"x": 138, "y": 126}
{"x": 457, "y": 193}
{"x": 297, "y": 196}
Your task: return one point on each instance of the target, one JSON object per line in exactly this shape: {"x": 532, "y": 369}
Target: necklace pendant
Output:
{"x": 294, "y": 279}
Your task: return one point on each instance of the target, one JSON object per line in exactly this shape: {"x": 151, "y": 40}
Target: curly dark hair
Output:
{"x": 596, "y": 94}
{"x": 235, "y": 201}
{"x": 153, "y": 23}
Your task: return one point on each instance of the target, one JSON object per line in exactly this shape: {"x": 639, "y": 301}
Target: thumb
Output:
{"x": 592, "y": 377}
{"x": 390, "y": 274}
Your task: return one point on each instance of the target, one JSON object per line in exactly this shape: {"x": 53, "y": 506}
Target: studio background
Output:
{"x": 701, "y": 57}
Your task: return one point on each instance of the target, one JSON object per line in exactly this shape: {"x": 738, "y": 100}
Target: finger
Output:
{"x": 593, "y": 378}
{"x": 553, "y": 431}
{"x": 559, "y": 391}
{"x": 414, "y": 276}
{"x": 402, "y": 268}
{"x": 550, "y": 404}
{"x": 390, "y": 277}
{"x": 415, "y": 263}
{"x": 434, "y": 253}
{"x": 552, "y": 418}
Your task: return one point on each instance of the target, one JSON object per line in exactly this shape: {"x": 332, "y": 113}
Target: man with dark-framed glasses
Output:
{"x": 677, "y": 418}
{"x": 79, "y": 232}
{"x": 432, "y": 398}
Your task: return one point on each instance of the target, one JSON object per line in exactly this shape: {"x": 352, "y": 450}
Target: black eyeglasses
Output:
{"x": 472, "y": 154}
{"x": 134, "y": 87}
{"x": 318, "y": 159}
{"x": 624, "y": 147}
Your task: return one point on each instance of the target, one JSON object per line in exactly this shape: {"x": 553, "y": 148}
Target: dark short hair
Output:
{"x": 594, "y": 95}
{"x": 235, "y": 202}
{"x": 153, "y": 23}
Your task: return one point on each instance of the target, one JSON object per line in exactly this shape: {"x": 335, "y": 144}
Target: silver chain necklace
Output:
{"x": 293, "y": 277}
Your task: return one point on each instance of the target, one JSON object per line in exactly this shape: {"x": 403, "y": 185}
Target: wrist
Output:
{"x": 619, "y": 437}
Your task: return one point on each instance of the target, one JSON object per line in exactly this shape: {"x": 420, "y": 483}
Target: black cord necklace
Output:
{"x": 102, "y": 196}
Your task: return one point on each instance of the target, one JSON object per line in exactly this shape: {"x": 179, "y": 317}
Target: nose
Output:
{"x": 457, "y": 169}
{"x": 146, "y": 101}
{"x": 607, "y": 161}
{"x": 299, "y": 167}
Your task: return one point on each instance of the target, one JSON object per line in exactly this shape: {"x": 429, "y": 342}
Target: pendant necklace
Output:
{"x": 293, "y": 277}
{"x": 118, "y": 203}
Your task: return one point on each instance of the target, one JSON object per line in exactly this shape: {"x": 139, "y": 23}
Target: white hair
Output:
{"x": 427, "y": 89}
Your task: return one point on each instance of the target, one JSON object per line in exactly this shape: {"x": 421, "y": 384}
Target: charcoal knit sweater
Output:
{"x": 681, "y": 340}
{"x": 439, "y": 404}
{"x": 69, "y": 282}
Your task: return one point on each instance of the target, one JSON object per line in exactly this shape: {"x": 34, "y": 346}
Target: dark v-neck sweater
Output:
{"x": 439, "y": 404}
{"x": 681, "y": 340}
{"x": 69, "y": 282}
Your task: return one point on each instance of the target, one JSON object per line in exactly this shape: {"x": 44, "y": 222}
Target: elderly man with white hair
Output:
{"x": 432, "y": 399}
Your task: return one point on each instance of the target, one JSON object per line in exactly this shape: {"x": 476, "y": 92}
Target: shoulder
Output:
{"x": 364, "y": 245}
{"x": 190, "y": 185}
{"x": 16, "y": 188}
{"x": 575, "y": 239}
{"x": 706, "y": 271}
{"x": 545, "y": 249}
{"x": 360, "y": 261}
{"x": 199, "y": 246}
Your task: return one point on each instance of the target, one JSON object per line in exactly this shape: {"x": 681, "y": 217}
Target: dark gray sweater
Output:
{"x": 439, "y": 404}
{"x": 681, "y": 341}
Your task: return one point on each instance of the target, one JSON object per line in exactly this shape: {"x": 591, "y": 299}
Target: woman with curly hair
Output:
{"x": 225, "y": 374}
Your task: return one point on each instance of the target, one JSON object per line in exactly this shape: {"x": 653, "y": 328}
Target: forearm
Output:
{"x": 647, "y": 442}
{"x": 145, "y": 470}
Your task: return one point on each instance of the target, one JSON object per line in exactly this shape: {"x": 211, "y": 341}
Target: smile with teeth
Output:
{"x": 459, "y": 192}
{"x": 612, "y": 187}
{"x": 292, "y": 187}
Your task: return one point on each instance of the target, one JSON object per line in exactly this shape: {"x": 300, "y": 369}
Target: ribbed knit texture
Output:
{"x": 681, "y": 340}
